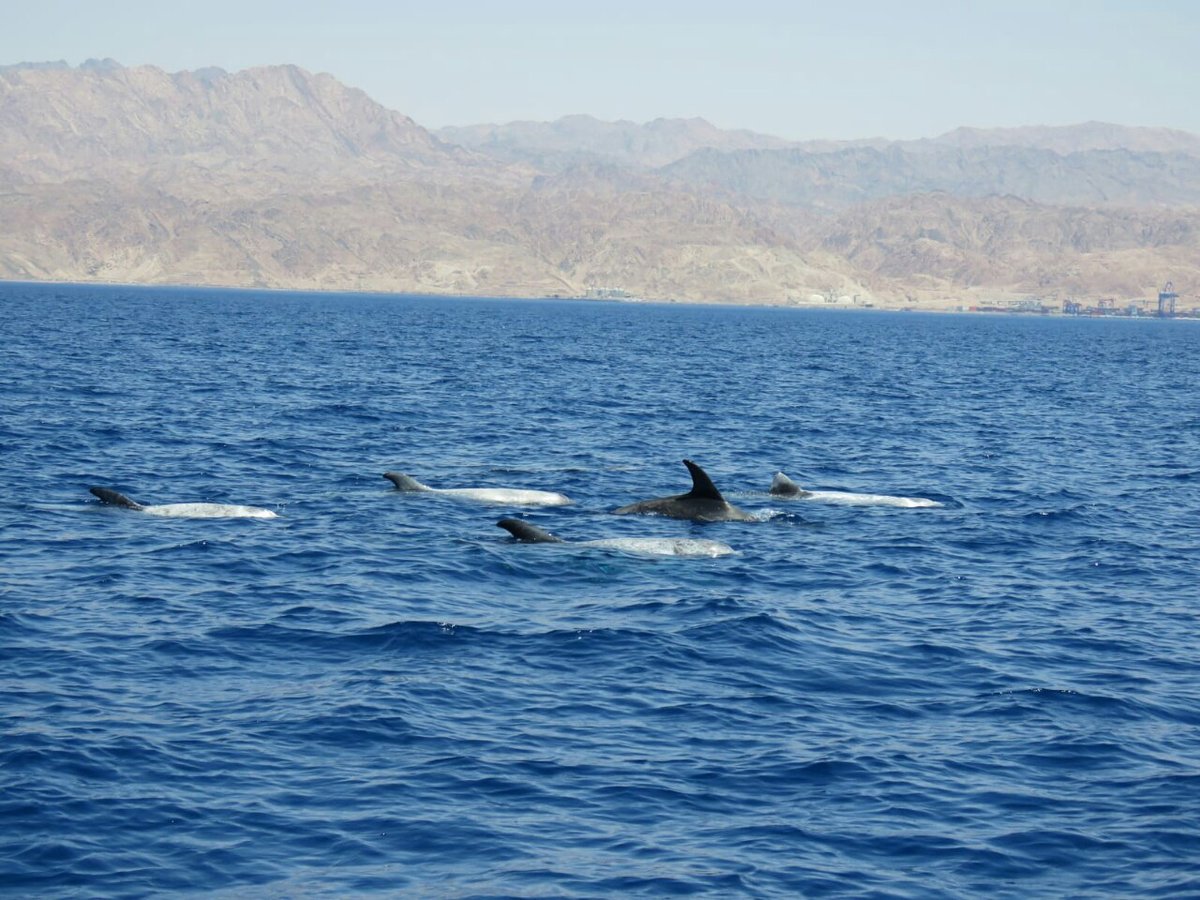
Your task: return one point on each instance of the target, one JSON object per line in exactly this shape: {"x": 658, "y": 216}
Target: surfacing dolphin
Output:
{"x": 503, "y": 496}
{"x": 703, "y": 503}
{"x": 183, "y": 510}
{"x": 646, "y": 546}
{"x": 782, "y": 486}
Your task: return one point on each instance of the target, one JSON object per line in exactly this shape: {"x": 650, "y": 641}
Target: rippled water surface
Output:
{"x": 381, "y": 692}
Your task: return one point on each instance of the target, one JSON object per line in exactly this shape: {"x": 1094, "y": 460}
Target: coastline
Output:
{"x": 1001, "y": 305}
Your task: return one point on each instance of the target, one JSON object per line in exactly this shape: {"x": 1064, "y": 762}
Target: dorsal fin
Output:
{"x": 702, "y": 486}
{"x": 404, "y": 482}
{"x": 782, "y": 486}
{"x": 530, "y": 534}
{"x": 107, "y": 495}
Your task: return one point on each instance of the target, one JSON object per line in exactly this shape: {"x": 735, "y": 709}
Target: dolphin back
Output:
{"x": 527, "y": 533}
{"x": 703, "y": 503}
{"x": 405, "y": 482}
{"x": 114, "y": 498}
{"x": 782, "y": 486}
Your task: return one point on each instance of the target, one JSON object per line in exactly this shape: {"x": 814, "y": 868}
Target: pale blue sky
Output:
{"x": 850, "y": 69}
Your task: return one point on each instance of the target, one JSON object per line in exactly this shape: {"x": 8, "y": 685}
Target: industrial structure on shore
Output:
{"x": 1168, "y": 307}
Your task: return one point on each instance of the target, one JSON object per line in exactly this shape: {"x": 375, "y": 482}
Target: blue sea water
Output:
{"x": 380, "y": 692}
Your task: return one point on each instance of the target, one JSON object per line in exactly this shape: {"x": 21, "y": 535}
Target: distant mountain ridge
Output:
{"x": 1067, "y": 139}
{"x": 574, "y": 139}
{"x": 278, "y": 177}
{"x": 663, "y": 142}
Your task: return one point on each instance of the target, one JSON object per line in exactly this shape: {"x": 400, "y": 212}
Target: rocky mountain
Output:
{"x": 277, "y": 123}
{"x": 844, "y": 178}
{"x": 937, "y": 245}
{"x": 277, "y": 177}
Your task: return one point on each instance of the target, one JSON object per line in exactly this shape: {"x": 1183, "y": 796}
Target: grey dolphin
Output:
{"x": 782, "y": 486}
{"x": 643, "y": 546}
{"x": 183, "y": 510}
{"x": 504, "y": 496}
{"x": 703, "y": 503}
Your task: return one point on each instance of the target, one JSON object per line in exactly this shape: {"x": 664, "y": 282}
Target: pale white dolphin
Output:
{"x": 644, "y": 546}
{"x": 782, "y": 486}
{"x": 184, "y": 510}
{"x": 501, "y": 496}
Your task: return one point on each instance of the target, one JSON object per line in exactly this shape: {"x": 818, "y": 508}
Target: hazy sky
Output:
{"x": 848, "y": 69}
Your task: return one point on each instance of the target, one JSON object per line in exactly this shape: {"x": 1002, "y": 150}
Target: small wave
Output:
{"x": 1075, "y": 513}
{"x": 281, "y": 639}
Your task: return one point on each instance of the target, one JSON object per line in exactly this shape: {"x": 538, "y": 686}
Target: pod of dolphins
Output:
{"x": 703, "y": 503}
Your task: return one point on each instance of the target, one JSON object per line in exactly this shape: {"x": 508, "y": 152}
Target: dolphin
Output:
{"x": 645, "y": 546}
{"x": 183, "y": 510}
{"x": 782, "y": 486}
{"x": 504, "y": 496}
{"x": 703, "y": 503}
